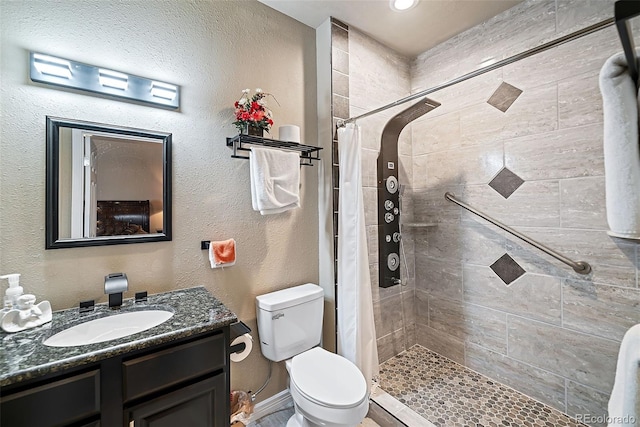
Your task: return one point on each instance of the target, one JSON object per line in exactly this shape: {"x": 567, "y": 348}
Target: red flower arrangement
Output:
{"x": 252, "y": 111}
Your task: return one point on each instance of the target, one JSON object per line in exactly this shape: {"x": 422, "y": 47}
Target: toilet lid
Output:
{"x": 328, "y": 379}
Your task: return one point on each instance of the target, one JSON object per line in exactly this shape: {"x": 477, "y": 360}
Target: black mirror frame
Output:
{"x": 53, "y": 125}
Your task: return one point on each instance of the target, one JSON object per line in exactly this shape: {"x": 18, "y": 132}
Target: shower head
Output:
{"x": 417, "y": 110}
{"x": 394, "y": 126}
{"x": 390, "y": 196}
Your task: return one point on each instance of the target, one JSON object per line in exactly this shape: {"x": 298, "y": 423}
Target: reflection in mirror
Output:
{"x": 106, "y": 184}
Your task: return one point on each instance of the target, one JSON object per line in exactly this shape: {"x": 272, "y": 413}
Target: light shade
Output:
{"x": 401, "y": 5}
{"x": 63, "y": 72}
{"x": 51, "y": 66}
{"x": 164, "y": 90}
{"x": 113, "y": 79}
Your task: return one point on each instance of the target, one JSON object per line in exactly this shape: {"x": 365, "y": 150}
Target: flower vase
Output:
{"x": 249, "y": 129}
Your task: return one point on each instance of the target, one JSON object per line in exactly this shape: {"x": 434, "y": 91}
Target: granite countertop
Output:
{"x": 23, "y": 356}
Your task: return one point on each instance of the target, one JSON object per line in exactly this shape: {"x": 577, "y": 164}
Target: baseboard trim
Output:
{"x": 270, "y": 405}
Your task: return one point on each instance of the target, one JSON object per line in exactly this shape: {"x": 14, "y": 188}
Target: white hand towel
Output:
{"x": 621, "y": 148}
{"x": 624, "y": 403}
{"x": 275, "y": 180}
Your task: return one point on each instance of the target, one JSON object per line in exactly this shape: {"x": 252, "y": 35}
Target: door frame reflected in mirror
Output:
{"x": 53, "y": 239}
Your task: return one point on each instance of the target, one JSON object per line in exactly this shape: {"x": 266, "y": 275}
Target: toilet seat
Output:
{"x": 327, "y": 379}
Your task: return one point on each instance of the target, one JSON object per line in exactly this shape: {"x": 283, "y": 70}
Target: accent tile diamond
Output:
{"x": 504, "y": 96}
{"x": 506, "y": 182}
{"x": 507, "y": 269}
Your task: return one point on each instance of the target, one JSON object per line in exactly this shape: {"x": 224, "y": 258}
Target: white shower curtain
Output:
{"x": 356, "y": 329}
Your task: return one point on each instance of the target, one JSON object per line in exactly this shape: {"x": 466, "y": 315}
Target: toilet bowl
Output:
{"x": 327, "y": 390}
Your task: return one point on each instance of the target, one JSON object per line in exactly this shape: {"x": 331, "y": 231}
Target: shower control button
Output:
{"x": 396, "y": 211}
{"x": 391, "y": 165}
{"x": 393, "y": 261}
{"x": 392, "y": 184}
{"x": 388, "y": 217}
{"x": 387, "y": 238}
{"x": 396, "y": 237}
{"x": 388, "y": 205}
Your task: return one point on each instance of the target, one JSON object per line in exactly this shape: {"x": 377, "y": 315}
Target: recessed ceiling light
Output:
{"x": 402, "y": 5}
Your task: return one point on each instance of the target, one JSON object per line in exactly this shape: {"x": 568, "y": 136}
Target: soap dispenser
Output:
{"x": 11, "y": 295}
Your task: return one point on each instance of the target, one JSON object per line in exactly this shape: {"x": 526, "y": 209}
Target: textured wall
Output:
{"x": 213, "y": 50}
{"x": 550, "y": 333}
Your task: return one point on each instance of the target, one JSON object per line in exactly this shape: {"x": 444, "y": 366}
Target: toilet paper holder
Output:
{"x": 237, "y": 329}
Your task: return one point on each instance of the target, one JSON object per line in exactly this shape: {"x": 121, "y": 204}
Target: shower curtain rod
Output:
{"x": 580, "y": 267}
{"x": 553, "y": 43}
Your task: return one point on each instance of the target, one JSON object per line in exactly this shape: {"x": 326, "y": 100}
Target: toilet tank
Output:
{"x": 290, "y": 321}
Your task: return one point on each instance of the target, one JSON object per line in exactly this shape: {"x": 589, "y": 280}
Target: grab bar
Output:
{"x": 580, "y": 267}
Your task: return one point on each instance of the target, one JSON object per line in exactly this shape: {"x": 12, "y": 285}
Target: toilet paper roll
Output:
{"x": 289, "y": 133}
{"x": 248, "y": 342}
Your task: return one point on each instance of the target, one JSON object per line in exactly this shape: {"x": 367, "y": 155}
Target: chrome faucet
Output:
{"x": 114, "y": 285}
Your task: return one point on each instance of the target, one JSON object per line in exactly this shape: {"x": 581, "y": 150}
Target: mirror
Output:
{"x": 106, "y": 185}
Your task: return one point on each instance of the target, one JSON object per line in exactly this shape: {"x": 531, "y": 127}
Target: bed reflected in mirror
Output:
{"x": 106, "y": 184}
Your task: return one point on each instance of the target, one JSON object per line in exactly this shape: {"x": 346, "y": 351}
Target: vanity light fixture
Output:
{"x": 76, "y": 75}
{"x": 402, "y": 5}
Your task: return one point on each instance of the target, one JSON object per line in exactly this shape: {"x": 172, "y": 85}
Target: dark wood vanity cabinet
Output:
{"x": 184, "y": 383}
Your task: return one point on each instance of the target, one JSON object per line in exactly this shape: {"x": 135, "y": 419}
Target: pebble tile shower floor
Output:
{"x": 448, "y": 394}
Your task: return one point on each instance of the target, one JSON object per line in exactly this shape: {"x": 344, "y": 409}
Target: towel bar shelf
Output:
{"x": 308, "y": 153}
{"x": 624, "y": 10}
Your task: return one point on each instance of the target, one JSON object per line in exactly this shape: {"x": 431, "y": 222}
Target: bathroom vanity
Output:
{"x": 176, "y": 373}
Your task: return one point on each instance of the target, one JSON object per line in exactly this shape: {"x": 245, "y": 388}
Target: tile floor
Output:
{"x": 420, "y": 388}
{"x": 448, "y": 394}
{"x": 396, "y": 413}
{"x": 274, "y": 419}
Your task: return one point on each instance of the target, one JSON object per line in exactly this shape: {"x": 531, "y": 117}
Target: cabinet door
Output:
{"x": 160, "y": 370}
{"x": 60, "y": 402}
{"x": 198, "y": 405}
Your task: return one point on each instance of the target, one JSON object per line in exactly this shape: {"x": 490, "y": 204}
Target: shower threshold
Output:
{"x": 388, "y": 411}
{"x": 446, "y": 394}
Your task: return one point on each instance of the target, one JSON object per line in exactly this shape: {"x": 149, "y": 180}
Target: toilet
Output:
{"x": 327, "y": 389}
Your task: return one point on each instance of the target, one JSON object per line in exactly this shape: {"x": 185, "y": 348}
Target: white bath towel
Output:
{"x": 621, "y": 148}
{"x": 275, "y": 180}
{"x": 624, "y": 403}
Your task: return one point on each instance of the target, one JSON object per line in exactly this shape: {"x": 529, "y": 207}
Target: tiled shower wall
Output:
{"x": 536, "y": 326}
{"x": 378, "y": 76}
{"x": 524, "y": 144}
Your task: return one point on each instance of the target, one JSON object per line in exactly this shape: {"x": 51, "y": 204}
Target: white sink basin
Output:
{"x": 108, "y": 328}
